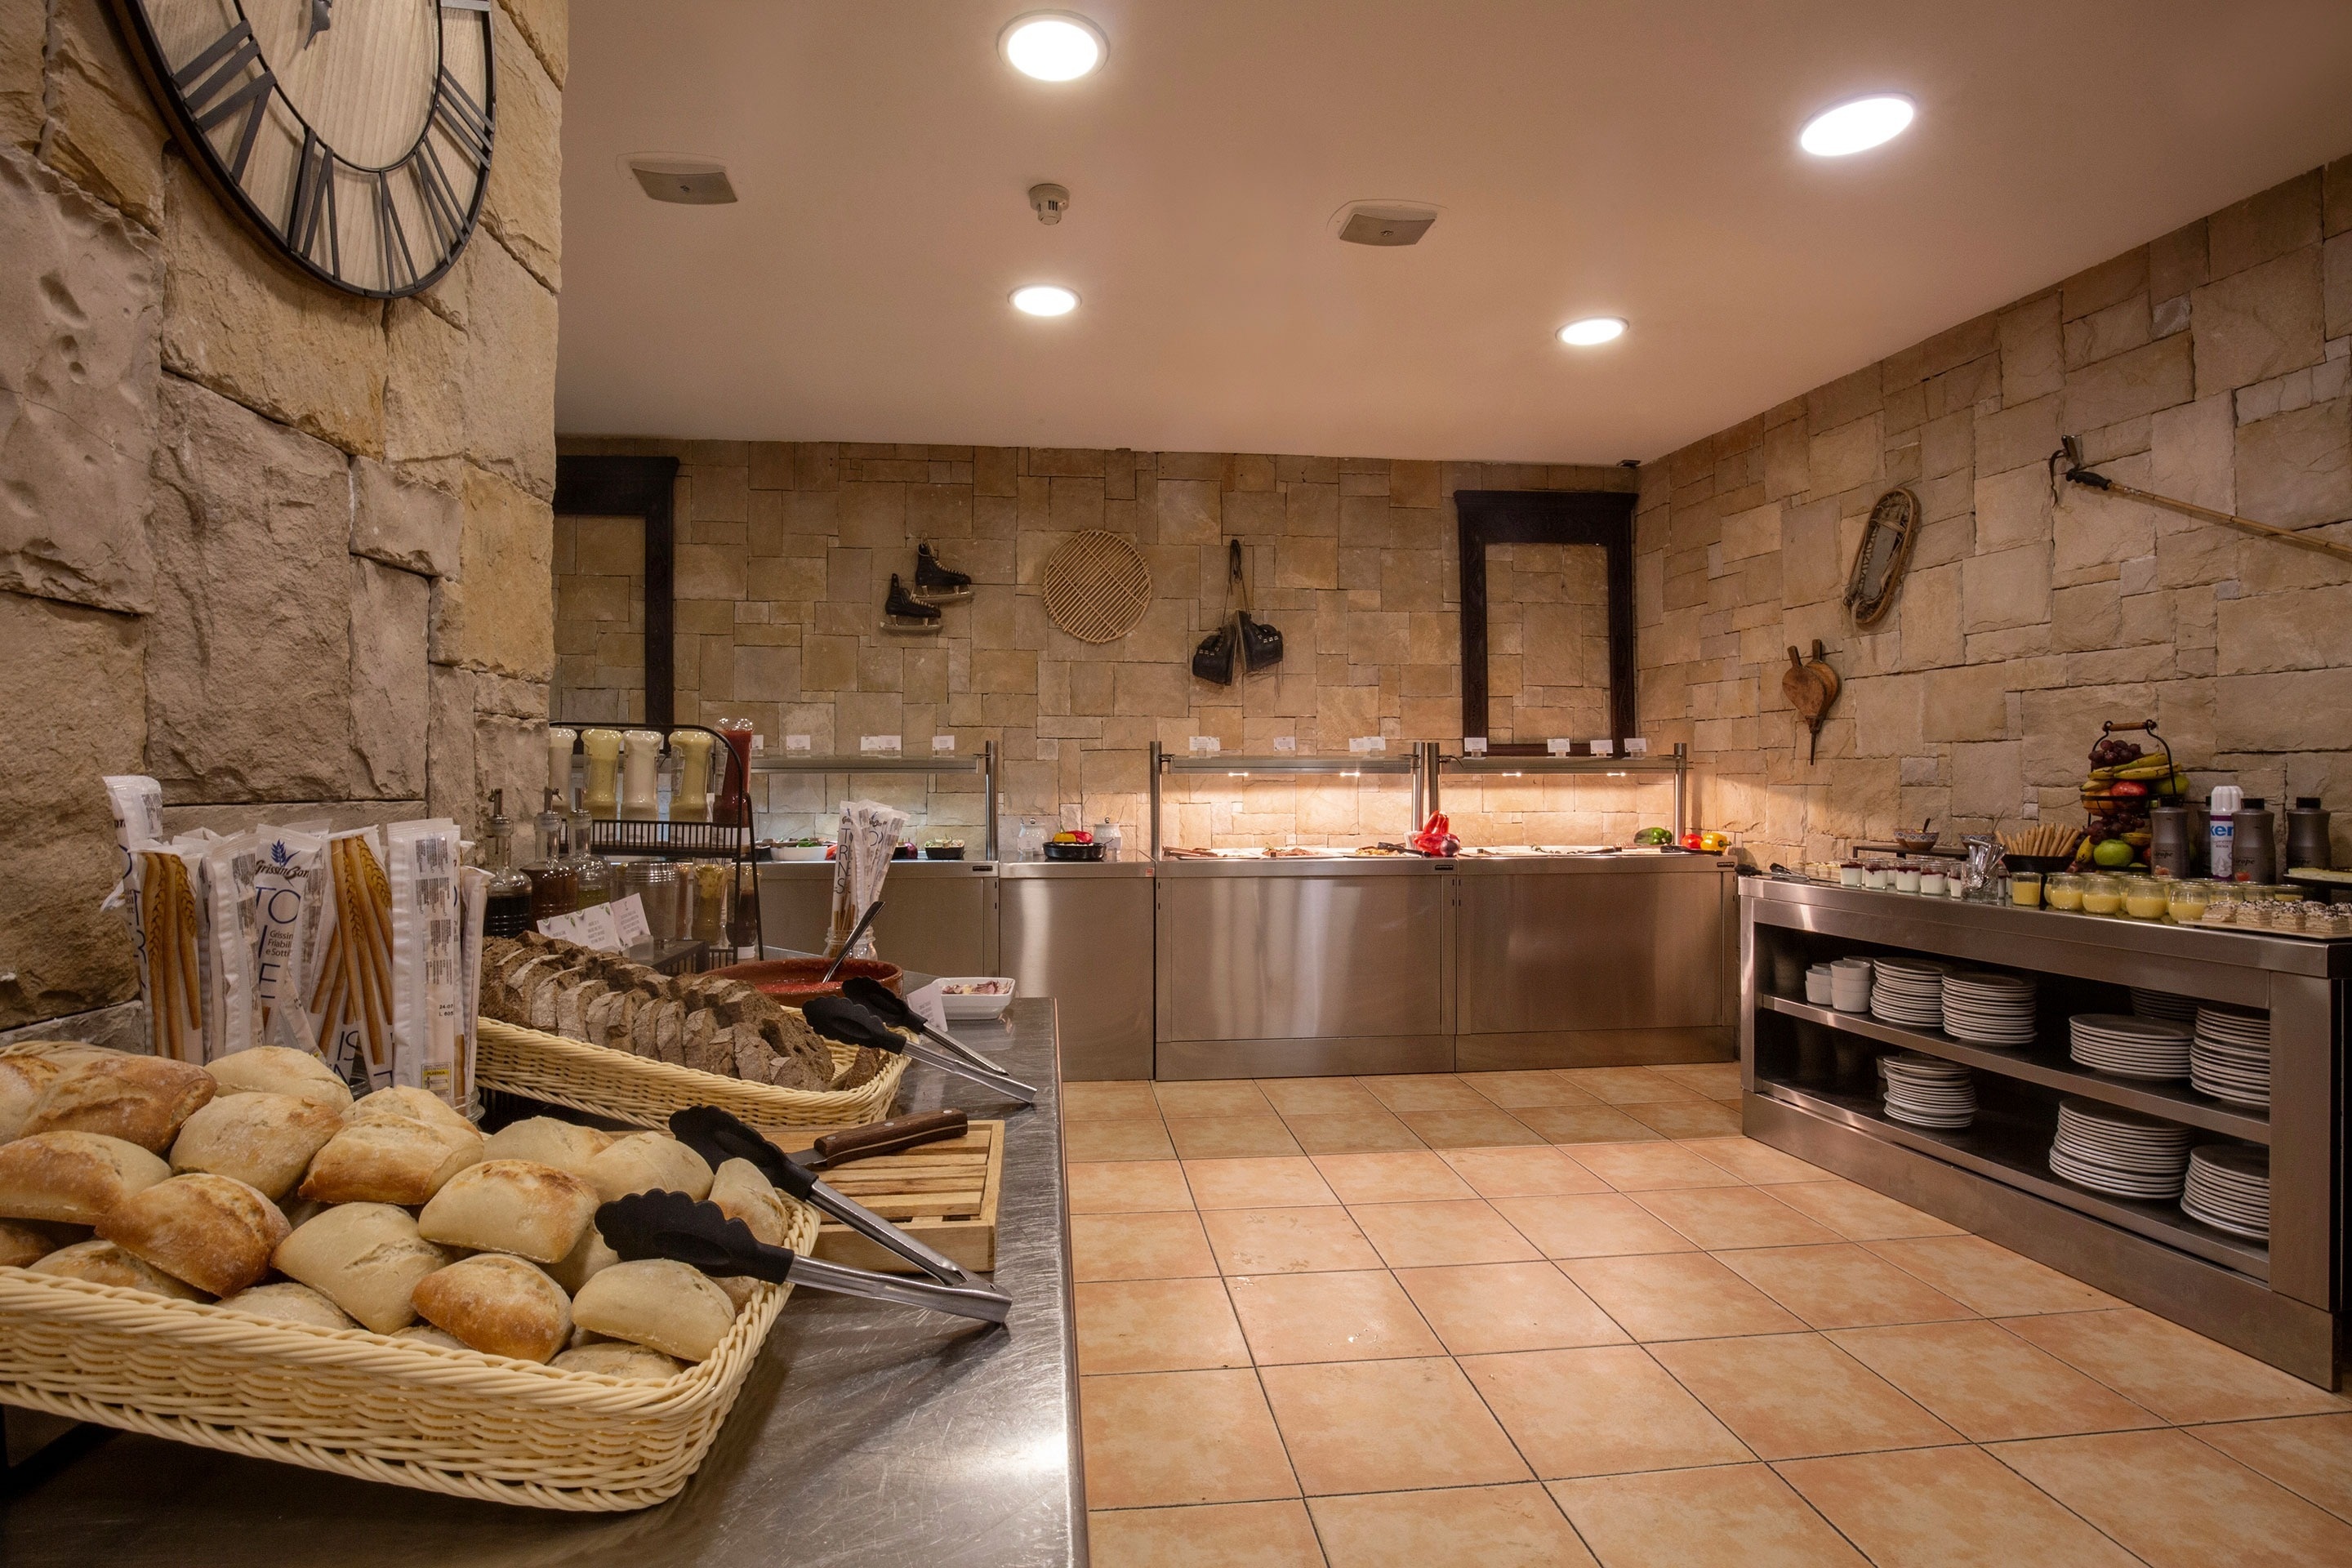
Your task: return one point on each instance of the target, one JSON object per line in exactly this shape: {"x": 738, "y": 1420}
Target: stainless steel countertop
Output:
{"x": 865, "y": 1435}
{"x": 1472, "y": 865}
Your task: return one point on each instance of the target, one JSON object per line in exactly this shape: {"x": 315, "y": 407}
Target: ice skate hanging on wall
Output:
{"x": 1880, "y": 559}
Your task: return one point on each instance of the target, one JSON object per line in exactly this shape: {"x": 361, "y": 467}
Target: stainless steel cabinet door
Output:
{"x": 1087, "y": 942}
{"x": 1616, "y": 950}
{"x": 1299, "y": 957}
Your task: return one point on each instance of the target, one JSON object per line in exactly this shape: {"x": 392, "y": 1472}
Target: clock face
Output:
{"x": 353, "y": 136}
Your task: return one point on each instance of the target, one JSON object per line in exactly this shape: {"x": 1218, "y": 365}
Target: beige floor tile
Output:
{"x": 1649, "y": 1167}
{"x": 1793, "y": 1397}
{"x": 1582, "y": 1124}
{"x": 1287, "y": 1241}
{"x": 1472, "y": 1527}
{"x": 1138, "y": 1246}
{"x": 1156, "y": 1325}
{"x": 1753, "y": 1161}
{"x": 1424, "y": 1091}
{"x": 1988, "y": 1383}
{"x": 1271, "y": 1184}
{"x": 1988, "y": 1279}
{"x": 1318, "y": 1095}
{"x": 1718, "y": 1218}
{"x": 1132, "y": 1186}
{"x": 1387, "y": 1425}
{"x": 1160, "y": 1437}
{"x": 1512, "y": 1089}
{"x": 1856, "y": 1213}
{"x": 1399, "y": 1178}
{"x": 1717, "y": 1080}
{"x": 1108, "y": 1101}
{"x": 1124, "y": 1138}
{"x": 1947, "y": 1507}
{"x": 1212, "y": 1096}
{"x": 1599, "y": 1412}
{"x": 1677, "y": 1296}
{"x": 1492, "y": 1128}
{"x": 1231, "y": 1137}
{"x": 1427, "y": 1236}
{"x": 2179, "y": 1503}
{"x": 1352, "y": 1133}
{"x": 1291, "y": 1318}
{"x": 1628, "y": 1086}
{"x": 2308, "y": 1454}
{"x": 1729, "y": 1516}
{"x": 2180, "y": 1375}
{"x": 1591, "y": 1224}
{"x": 1533, "y": 1172}
{"x": 1485, "y": 1308}
{"x": 1687, "y": 1118}
{"x": 1219, "y": 1535}
{"x": 1840, "y": 1286}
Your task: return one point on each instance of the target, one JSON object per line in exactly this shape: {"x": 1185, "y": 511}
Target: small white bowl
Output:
{"x": 1818, "y": 990}
{"x": 968, "y": 1005}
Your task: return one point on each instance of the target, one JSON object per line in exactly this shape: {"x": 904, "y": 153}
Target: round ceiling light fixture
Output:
{"x": 1044, "y": 300}
{"x": 1593, "y": 330}
{"x": 1054, "y": 45}
{"x": 1857, "y": 126}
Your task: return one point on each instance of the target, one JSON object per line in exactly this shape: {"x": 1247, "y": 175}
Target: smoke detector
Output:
{"x": 1049, "y": 202}
{"x": 1384, "y": 223}
{"x": 676, "y": 177}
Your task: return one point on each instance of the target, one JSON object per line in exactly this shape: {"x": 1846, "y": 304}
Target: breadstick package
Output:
{"x": 230, "y": 932}
{"x": 136, "y": 802}
{"x": 289, "y": 870}
{"x": 351, "y": 999}
{"x": 163, "y": 887}
{"x": 473, "y": 901}
{"x": 427, "y": 1012}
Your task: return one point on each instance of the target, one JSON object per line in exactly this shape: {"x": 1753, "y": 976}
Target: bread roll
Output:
{"x": 621, "y": 1360}
{"x": 499, "y": 1305}
{"x": 23, "y": 1080}
{"x": 264, "y": 1141}
{"x": 139, "y": 1099}
{"x": 73, "y": 1178}
{"x": 364, "y": 1258}
{"x": 584, "y": 1262}
{"x": 274, "y": 1069}
{"x": 103, "y": 1263}
{"x": 427, "y": 1334}
{"x": 739, "y": 1288}
{"x": 388, "y": 1158}
{"x": 666, "y": 1305}
{"x": 290, "y": 1304}
{"x": 649, "y": 1161}
{"x": 520, "y": 1206}
{"x": 23, "y": 1243}
{"x": 562, "y": 1144}
{"x": 214, "y": 1232}
{"x": 402, "y": 1104}
{"x": 743, "y": 1192}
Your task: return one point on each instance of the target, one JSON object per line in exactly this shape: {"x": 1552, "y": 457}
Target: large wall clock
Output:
{"x": 353, "y": 136}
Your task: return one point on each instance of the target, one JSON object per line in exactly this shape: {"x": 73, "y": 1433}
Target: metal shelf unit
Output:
{"x": 938, "y": 764}
{"x": 1413, "y": 764}
{"x": 1674, "y": 765}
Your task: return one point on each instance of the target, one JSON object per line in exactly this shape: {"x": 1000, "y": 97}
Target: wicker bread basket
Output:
{"x": 361, "y": 1405}
{"x": 631, "y": 1088}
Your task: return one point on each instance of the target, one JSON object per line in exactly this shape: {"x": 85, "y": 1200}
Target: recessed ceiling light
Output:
{"x": 1044, "y": 300}
{"x": 1593, "y": 330}
{"x": 1856, "y": 127}
{"x": 1054, "y": 45}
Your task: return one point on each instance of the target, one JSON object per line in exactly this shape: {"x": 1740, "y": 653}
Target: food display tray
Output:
{"x": 642, "y": 1092}
{"x": 943, "y": 1194}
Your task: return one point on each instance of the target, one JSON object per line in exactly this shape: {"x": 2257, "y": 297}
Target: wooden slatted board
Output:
{"x": 944, "y": 1194}
{"x": 1097, "y": 586}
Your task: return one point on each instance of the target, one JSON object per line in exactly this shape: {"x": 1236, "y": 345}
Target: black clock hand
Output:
{"x": 322, "y": 18}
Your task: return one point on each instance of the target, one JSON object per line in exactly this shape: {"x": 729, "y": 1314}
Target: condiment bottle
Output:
{"x": 2169, "y": 849}
{"x": 592, "y": 874}
{"x": 603, "y": 796}
{"x": 2308, "y": 846}
{"x": 641, "y": 753}
{"x": 559, "y": 759}
{"x": 506, "y": 909}
{"x": 689, "y": 796}
{"x": 554, "y": 884}
{"x": 2221, "y": 829}
{"x": 2253, "y": 841}
{"x": 733, "y": 790}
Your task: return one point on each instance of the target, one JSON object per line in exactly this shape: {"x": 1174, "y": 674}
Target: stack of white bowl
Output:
{"x": 1850, "y": 984}
{"x": 1820, "y": 988}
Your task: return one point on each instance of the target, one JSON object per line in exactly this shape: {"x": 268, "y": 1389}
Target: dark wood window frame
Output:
{"x": 1604, "y": 518}
{"x": 644, "y": 488}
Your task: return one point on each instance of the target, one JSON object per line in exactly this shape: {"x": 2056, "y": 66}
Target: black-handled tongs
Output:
{"x": 896, "y": 1011}
{"x": 719, "y": 1137}
{"x": 674, "y": 1226}
{"x": 853, "y": 1024}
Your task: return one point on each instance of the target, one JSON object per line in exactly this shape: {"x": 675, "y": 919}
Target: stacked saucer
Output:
{"x": 1927, "y": 1091}
{"x": 2147, "y": 1004}
{"x": 2230, "y": 1057}
{"x": 1909, "y": 991}
{"x": 2229, "y": 1188}
{"x": 1991, "y": 1009}
{"x": 1850, "y": 984}
{"x": 2130, "y": 1046}
{"x": 2110, "y": 1150}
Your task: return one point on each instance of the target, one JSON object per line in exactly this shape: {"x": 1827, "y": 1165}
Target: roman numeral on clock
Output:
{"x": 392, "y": 240}
{"x": 312, "y": 211}
{"x": 434, "y": 195}
{"x": 462, "y": 120}
{"x": 209, "y": 87}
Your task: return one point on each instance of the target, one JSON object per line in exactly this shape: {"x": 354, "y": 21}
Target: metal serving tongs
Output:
{"x": 674, "y": 1226}
{"x": 893, "y": 1009}
{"x": 719, "y": 1137}
{"x": 851, "y": 1022}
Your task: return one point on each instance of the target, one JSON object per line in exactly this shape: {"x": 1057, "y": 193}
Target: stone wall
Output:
{"x": 282, "y": 548}
{"x": 785, "y": 553}
{"x": 2209, "y": 365}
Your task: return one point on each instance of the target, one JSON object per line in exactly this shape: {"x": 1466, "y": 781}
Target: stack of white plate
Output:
{"x": 2130, "y": 1046}
{"x": 2110, "y": 1150}
{"x": 2229, "y": 1188}
{"x": 2163, "y": 1005}
{"x": 1927, "y": 1091}
{"x": 1909, "y": 991}
{"x": 2230, "y": 1057}
{"x": 1991, "y": 1009}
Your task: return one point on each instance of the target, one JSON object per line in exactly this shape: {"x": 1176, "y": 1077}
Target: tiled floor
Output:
{"x": 1563, "y": 1318}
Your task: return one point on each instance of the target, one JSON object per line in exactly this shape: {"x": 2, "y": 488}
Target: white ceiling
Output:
{"x": 1635, "y": 159}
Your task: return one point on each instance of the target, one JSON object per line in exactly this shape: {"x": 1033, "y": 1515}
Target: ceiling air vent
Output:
{"x": 691, "y": 181}
{"x": 1386, "y": 223}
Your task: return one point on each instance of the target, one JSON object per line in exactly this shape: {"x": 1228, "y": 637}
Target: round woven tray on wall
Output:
{"x": 1097, "y": 586}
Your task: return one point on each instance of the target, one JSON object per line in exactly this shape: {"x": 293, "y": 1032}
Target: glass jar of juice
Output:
{"x": 2103, "y": 895}
{"x": 2184, "y": 901}
{"x": 2144, "y": 898}
{"x": 2062, "y": 891}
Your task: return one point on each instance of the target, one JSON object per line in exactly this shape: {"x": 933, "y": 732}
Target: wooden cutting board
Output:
{"x": 944, "y": 1194}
